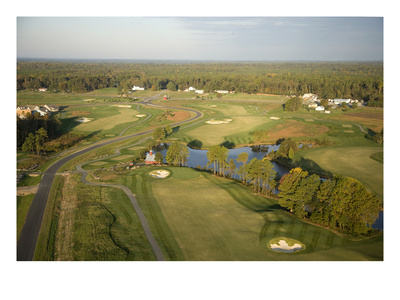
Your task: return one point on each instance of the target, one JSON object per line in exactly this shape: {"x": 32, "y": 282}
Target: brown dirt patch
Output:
{"x": 292, "y": 129}
{"x": 372, "y": 120}
{"x": 26, "y": 190}
{"x": 179, "y": 116}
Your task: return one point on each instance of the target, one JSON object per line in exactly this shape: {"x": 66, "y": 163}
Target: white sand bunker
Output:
{"x": 84, "y": 120}
{"x": 216, "y": 122}
{"x": 160, "y": 173}
{"x": 285, "y": 245}
{"x": 140, "y": 116}
{"x": 125, "y": 106}
{"x": 274, "y": 118}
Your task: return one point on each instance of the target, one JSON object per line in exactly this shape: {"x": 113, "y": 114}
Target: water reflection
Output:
{"x": 198, "y": 158}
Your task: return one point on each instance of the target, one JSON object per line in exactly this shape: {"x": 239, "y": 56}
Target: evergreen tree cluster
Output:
{"x": 341, "y": 202}
{"x": 362, "y": 81}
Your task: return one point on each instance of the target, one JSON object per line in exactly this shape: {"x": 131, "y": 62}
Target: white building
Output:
{"x": 320, "y": 108}
{"x": 222, "y": 92}
{"x": 191, "y": 89}
{"x": 199, "y": 92}
{"x": 340, "y": 101}
{"x": 137, "y": 88}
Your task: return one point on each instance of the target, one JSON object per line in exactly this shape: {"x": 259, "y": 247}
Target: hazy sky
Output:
{"x": 201, "y": 38}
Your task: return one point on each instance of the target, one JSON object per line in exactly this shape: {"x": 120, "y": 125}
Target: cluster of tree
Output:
{"x": 293, "y": 104}
{"x": 362, "y": 81}
{"x": 258, "y": 173}
{"x": 177, "y": 154}
{"x": 340, "y": 203}
{"x": 34, "y": 142}
{"x": 161, "y": 132}
{"x": 286, "y": 150}
{"x": 32, "y": 123}
{"x": 165, "y": 115}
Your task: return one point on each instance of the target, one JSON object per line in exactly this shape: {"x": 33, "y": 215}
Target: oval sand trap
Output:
{"x": 215, "y": 122}
{"x": 140, "y": 116}
{"x": 285, "y": 245}
{"x": 160, "y": 173}
{"x": 84, "y": 120}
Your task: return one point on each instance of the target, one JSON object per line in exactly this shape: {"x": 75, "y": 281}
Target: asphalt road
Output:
{"x": 26, "y": 244}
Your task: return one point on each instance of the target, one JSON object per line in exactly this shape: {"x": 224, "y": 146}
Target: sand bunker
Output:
{"x": 140, "y": 116}
{"x": 274, "y": 118}
{"x": 160, "y": 173}
{"x": 282, "y": 245}
{"x": 215, "y": 122}
{"x": 84, "y": 120}
{"x": 125, "y": 106}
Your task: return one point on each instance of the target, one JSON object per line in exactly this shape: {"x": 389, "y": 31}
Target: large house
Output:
{"x": 137, "y": 88}
{"x": 151, "y": 158}
{"x": 52, "y": 107}
{"x": 22, "y": 111}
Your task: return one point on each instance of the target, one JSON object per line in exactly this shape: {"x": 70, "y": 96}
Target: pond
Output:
{"x": 199, "y": 157}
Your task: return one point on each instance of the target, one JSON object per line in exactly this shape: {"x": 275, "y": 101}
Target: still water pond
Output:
{"x": 199, "y": 157}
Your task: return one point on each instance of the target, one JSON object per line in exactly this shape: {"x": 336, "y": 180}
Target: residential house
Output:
{"x": 23, "y": 111}
{"x": 313, "y": 105}
{"x": 42, "y": 89}
{"x": 320, "y": 108}
{"x": 222, "y": 92}
{"x": 43, "y": 111}
{"x": 199, "y": 92}
{"x": 151, "y": 158}
{"x": 137, "y": 88}
{"x": 52, "y": 107}
{"x": 340, "y": 101}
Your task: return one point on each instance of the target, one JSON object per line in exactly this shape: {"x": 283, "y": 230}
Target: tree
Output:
{"x": 177, "y": 154}
{"x": 222, "y": 158}
{"x": 159, "y": 158}
{"x": 378, "y": 137}
{"x": 268, "y": 175}
{"x": 168, "y": 130}
{"x": 293, "y": 104}
{"x": 40, "y": 137}
{"x": 291, "y": 153}
{"x": 171, "y": 86}
{"x": 29, "y": 144}
{"x": 158, "y": 133}
{"x": 287, "y": 188}
{"x": 324, "y": 102}
{"x": 231, "y": 167}
{"x": 243, "y": 158}
{"x": 285, "y": 147}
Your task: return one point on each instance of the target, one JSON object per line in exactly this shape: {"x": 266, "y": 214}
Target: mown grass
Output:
{"x": 23, "y": 205}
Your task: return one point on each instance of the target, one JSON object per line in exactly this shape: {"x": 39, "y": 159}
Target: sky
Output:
{"x": 202, "y": 38}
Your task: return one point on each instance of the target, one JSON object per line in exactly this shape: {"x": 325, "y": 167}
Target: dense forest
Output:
{"x": 356, "y": 80}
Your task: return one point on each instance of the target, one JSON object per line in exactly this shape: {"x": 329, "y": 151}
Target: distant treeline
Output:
{"x": 357, "y": 80}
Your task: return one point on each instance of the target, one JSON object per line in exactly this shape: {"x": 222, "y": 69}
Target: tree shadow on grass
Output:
{"x": 312, "y": 167}
{"x": 228, "y": 144}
